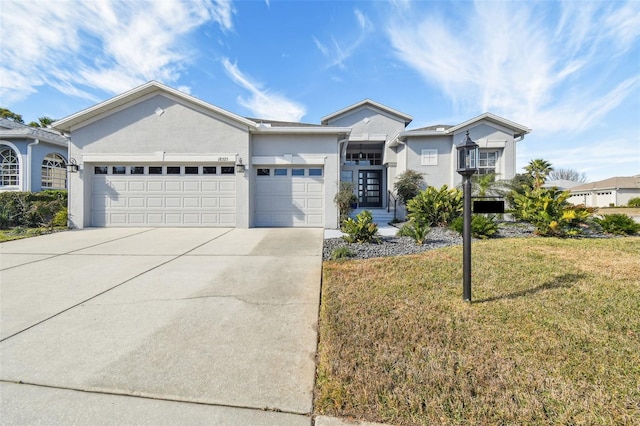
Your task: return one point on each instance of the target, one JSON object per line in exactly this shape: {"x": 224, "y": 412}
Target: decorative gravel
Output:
{"x": 437, "y": 238}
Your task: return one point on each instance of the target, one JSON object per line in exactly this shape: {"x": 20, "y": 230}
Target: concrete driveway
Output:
{"x": 160, "y": 326}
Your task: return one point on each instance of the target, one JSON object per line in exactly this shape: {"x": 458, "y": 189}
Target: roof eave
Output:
{"x": 407, "y": 118}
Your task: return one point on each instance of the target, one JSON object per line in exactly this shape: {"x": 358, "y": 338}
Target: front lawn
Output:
{"x": 552, "y": 337}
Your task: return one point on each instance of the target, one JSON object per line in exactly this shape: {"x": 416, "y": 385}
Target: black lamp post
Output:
{"x": 467, "y": 166}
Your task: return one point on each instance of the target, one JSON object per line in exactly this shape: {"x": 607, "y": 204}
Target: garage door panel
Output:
{"x": 136, "y": 201}
{"x": 173, "y": 202}
{"x": 155, "y": 186}
{"x": 315, "y": 188}
{"x": 125, "y": 200}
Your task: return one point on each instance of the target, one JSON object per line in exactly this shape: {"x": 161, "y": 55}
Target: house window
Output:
{"x": 100, "y": 170}
{"x": 346, "y": 176}
{"x": 136, "y": 170}
{"x": 429, "y": 157}
{"x": 118, "y": 170}
{"x": 263, "y": 172}
{"x": 280, "y": 172}
{"x": 191, "y": 170}
{"x": 10, "y": 172}
{"x": 363, "y": 159}
{"x": 54, "y": 172}
{"x": 173, "y": 170}
{"x": 209, "y": 170}
{"x": 487, "y": 162}
{"x": 297, "y": 172}
{"x": 155, "y": 170}
{"x": 315, "y": 172}
{"x": 227, "y": 170}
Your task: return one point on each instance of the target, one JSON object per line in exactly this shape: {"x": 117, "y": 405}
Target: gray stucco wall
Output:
{"x": 138, "y": 129}
{"x": 437, "y": 175}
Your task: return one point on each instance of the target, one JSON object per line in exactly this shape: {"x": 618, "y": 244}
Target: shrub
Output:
{"x": 548, "y": 210}
{"x": 341, "y": 253}
{"x": 634, "y": 202}
{"x": 619, "y": 224}
{"x": 408, "y": 185}
{"x": 417, "y": 232}
{"x": 435, "y": 206}
{"x": 31, "y": 209}
{"x": 61, "y": 218}
{"x": 360, "y": 230}
{"x": 344, "y": 199}
{"x": 482, "y": 227}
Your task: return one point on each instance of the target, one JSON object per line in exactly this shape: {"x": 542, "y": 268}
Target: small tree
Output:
{"x": 539, "y": 169}
{"x": 408, "y": 185}
{"x": 344, "y": 199}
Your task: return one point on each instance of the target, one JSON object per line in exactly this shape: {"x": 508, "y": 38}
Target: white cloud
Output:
{"x": 339, "y": 51}
{"x": 514, "y": 59}
{"x": 262, "y": 103}
{"x": 47, "y": 43}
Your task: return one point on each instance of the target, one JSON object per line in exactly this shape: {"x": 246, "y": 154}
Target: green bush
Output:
{"x": 634, "y": 202}
{"x": 417, "y": 232}
{"x": 30, "y": 209}
{"x": 344, "y": 199}
{"x": 341, "y": 253}
{"x": 548, "y": 210}
{"x": 619, "y": 224}
{"x": 482, "y": 227}
{"x": 61, "y": 218}
{"x": 360, "y": 230}
{"x": 435, "y": 206}
{"x": 408, "y": 185}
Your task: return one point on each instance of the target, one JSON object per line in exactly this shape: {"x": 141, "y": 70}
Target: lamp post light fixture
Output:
{"x": 240, "y": 168}
{"x": 467, "y": 166}
{"x": 72, "y": 166}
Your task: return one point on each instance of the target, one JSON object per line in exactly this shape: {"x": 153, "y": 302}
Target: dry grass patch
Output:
{"x": 553, "y": 335}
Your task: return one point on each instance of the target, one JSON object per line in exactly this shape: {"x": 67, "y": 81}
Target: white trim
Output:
{"x": 304, "y": 130}
{"x": 22, "y": 159}
{"x": 288, "y": 160}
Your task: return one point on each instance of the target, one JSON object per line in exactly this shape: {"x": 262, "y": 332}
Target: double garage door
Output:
{"x": 163, "y": 196}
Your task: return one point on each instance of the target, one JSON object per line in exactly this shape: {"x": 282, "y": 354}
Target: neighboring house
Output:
{"x": 158, "y": 157}
{"x": 561, "y": 184}
{"x": 31, "y": 159}
{"x": 616, "y": 191}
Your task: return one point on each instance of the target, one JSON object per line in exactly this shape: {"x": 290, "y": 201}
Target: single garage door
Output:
{"x": 163, "y": 195}
{"x": 289, "y": 196}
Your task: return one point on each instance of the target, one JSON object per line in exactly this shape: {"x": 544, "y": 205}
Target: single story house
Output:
{"x": 612, "y": 192}
{"x": 155, "y": 156}
{"x": 31, "y": 159}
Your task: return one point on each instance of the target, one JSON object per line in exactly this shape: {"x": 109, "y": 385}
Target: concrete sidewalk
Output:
{"x": 160, "y": 326}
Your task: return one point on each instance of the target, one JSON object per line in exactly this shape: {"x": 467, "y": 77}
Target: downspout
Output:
{"x": 29, "y": 161}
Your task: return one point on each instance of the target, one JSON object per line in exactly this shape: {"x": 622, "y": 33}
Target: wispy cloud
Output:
{"x": 533, "y": 68}
{"x": 262, "y": 103}
{"x": 46, "y": 43}
{"x": 338, "y": 52}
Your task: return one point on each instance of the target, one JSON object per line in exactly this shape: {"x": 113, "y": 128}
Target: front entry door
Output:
{"x": 370, "y": 188}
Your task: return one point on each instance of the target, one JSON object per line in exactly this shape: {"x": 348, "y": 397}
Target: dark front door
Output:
{"x": 370, "y": 188}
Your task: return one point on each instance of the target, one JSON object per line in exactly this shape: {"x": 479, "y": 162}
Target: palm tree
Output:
{"x": 539, "y": 169}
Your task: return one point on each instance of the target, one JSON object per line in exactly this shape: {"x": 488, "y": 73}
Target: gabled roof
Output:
{"x": 406, "y": 117}
{"x": 627, "y": 182}
{"x": 518, "y": 129}
{"x": 11, "y": 129}
{"x": 148, "y": 88}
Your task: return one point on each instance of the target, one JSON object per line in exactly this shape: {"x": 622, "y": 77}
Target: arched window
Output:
{"x": 10, "y": 167}
{"x": 54, "y": 172}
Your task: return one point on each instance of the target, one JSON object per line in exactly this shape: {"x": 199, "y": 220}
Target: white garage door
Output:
{"x": 291, "y": 197}
{"x": 163, "y": 195}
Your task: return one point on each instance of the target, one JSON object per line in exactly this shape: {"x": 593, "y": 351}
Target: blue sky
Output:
{"x": 570, "y": 70}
